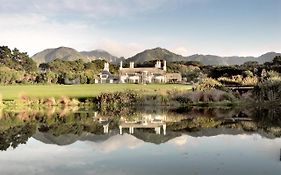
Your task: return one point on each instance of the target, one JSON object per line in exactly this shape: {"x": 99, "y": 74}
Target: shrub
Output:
{"x": 182, "y": 98}
{"x": 64, "y": 101}
{"x": 250, "y": 81}
{"x": 273, "y": 75}
{"x": 50, "y": 101}
{"x": 239, "y": 80}
{"x": 117, "y": 98}
{"x": 207, "y": 84}
{"x": 213, "y": 95}
{"x": 268, "y": 91}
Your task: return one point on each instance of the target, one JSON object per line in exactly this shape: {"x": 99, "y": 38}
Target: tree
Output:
{"x": 277, "y": 60}
{"x": 10, "y": 76}
{"x": 17, "y": 60}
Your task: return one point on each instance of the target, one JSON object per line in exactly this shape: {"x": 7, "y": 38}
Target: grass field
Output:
{"x": 13, "y": 92}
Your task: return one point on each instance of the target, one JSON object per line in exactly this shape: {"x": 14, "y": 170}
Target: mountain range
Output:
{"x": 158, "y": 53}
{"x": 69, "y": 54}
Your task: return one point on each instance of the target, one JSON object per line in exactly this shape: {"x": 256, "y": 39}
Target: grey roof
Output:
{"x": 105, "y": 72}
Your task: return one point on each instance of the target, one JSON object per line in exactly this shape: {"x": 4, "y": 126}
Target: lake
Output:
{"x": 140, "y": 141}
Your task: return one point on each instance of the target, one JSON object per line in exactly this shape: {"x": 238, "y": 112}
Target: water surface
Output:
{"x": 91, "y": 143}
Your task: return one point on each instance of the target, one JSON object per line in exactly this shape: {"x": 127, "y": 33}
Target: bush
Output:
{"x": 49, "y": 101}
{"x": 268, "y": 91}
{"x": 207, "y": 84}
{"x": 239, "y": 80}
{"x": 273, "y": 75}
{"x": 182, "y": 98}
{"x": 250, "y": 81}
{"x": 117, "y": 98}
{"x": 213, "y": 95}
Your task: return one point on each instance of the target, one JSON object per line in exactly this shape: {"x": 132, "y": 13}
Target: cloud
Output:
{"x": 181, "y": 50}
{"x": 34, "y": 25}
{"x": 89, "y": 8}
{"x": 117, "y": 142}
{"x": 179, "y": 141}
{"x": 123, "y": 27}
{"x": 34, "y": 33}
{"x": 40, "y": 158}
{"x": 119, "y": 48}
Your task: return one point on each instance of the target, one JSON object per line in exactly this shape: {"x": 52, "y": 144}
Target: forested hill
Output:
{"x": 63, "y": 53}
{"x": 70, "y": 54}
{"x": 154, "y": 54}
{"x": 101, "y": 55}
{"x": 164, "y": 54}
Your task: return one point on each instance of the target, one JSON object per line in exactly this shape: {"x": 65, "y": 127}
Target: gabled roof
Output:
{"x": 105, "y": 72}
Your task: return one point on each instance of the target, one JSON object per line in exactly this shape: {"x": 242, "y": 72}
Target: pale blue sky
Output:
{"x": 125, "y": 27}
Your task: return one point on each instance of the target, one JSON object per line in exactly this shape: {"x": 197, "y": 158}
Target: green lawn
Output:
{"x": 12, "y": 92}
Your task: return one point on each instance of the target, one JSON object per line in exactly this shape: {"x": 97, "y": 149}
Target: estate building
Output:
{"x": 144, "y": 75}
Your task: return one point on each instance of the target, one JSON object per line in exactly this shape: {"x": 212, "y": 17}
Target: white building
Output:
{"x": 156, "y": 74}
{"x": 105, "y": 76}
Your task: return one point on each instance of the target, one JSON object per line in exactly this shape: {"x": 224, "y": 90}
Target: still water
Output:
{"x": 143, "y": 142}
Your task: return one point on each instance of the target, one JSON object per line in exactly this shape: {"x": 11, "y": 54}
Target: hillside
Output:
{"x": 100, "y": 54}
{"x": 234, "y": 60}
{"x": 217, "y": 60}
{"x": 156, "y": 54}
{"x": 69, "y": 54}
{"x": 268, "y": 57}
{"x": 63, "y": 53}
{"x": 163, "y": 54}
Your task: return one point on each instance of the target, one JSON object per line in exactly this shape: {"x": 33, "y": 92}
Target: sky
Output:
{"x": 126, "y": 27}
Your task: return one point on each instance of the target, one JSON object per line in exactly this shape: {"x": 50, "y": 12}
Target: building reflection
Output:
{"x": 103, "y": 120}
{"x": 156, "y": 122}
{"x": 146, "y": 121}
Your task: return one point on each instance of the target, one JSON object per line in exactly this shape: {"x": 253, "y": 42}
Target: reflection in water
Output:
{"x": 140, "y": 141}
{"x": 144, "y": 122}
{"x": 124, "y": 154}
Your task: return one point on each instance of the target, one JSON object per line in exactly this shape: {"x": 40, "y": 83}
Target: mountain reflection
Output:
{"x": 66, "y": 126}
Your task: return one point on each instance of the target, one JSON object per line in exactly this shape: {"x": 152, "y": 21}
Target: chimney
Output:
{"x": 121, "y": 65}
{"x": 158, "y": 64}
{"x": 106, "y": 66}
{"x": 165, "y": 65}
{"x": 132, "y": 64}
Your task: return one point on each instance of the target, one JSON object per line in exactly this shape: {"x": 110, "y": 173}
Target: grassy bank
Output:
{"x": 13, "y": 92}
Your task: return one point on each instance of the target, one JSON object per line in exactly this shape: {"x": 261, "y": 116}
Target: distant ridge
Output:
{"x": 233, "y": 60}
{"x": 267, "y": 57}
{"x": 63, "y": 53}
{"x": 70, "y": 54}
{"x": 158, "y": 53}
{"x": 100, "y": 54}
{"x": 164, "y": 54}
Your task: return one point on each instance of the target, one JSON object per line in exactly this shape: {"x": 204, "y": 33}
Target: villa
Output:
{"x": 156, "y": 74}
{"x": 105, "y": 76}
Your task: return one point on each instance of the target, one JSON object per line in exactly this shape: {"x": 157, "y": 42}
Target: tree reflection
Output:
{"x": 16, "y": 127}
{"x": 15, "y": 136}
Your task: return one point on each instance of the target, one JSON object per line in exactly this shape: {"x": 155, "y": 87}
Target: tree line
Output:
{"x": 18, "y": 67}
